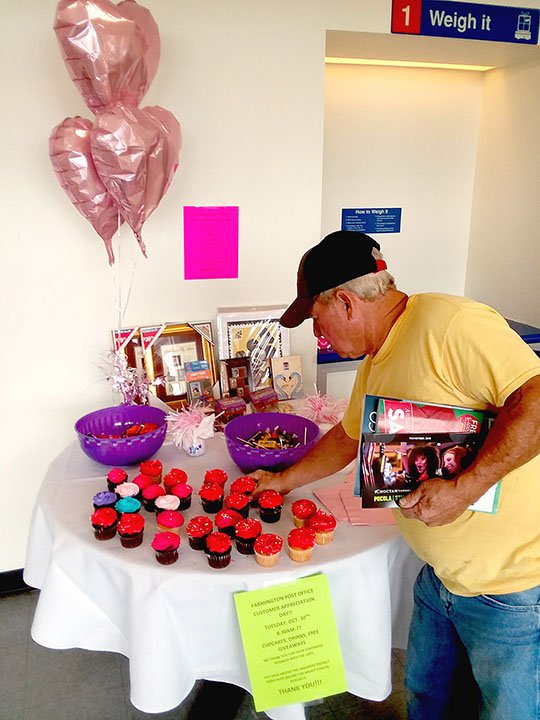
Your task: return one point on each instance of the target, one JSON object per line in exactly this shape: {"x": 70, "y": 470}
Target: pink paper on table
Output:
{"x": 331, "y": 499}
{"x": 364, "y": 516}
{"x": 210, "y": 242}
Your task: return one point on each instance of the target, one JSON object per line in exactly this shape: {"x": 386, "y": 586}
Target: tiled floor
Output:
{"x": 41, "y": 684}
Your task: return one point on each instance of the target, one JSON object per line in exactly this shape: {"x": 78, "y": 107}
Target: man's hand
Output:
{"x": 269, "y": 481}
{"x": 434, "y": 502}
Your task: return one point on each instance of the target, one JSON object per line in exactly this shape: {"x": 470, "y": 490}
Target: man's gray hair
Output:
{"x": 367, "y": 287}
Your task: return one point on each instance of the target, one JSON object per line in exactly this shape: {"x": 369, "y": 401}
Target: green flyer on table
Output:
{"x": 291, "y": 642}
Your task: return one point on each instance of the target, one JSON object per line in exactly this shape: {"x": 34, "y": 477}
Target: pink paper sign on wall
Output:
{"x": 210, "y": 242}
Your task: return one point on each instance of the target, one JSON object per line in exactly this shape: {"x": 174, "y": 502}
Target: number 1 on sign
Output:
{"x": 406, "y": 16}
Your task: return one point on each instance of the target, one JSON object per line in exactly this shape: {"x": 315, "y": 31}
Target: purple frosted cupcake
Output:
{"x": 104, "y": 499}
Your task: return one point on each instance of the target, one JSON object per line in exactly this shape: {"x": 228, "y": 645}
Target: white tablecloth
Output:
{"x": 177, "y": 624}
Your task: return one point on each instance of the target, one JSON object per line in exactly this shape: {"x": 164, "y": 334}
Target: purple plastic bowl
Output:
{"x": 249, "y": 459}
{"x": 112, "y": 421}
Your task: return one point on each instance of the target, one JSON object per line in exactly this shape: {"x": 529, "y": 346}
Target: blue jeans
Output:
{"x": 473, "y": 657}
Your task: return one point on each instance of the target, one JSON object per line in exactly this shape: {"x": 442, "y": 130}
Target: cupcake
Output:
{"x": 301, "y": 542}
{"x": 237, "y": 501}
{"x": 131, "y": 530}
{"x": 173, "y": 477}
{"x": 267, "y": 549}
{"x": 128, "y": 489}
{"x": 245, "y": 485}
{"x": 197, "y": 530}
{"x": 104, "y": 521}
{"x": 115, "y": 477}
{"x": 127, "y": 505}
{"x": 170, "y": 521}
{"x": 142, "y": 481}
{"x": 225, "y": 521}
{"x": 183, "y": 492}
{"x": 246, "y": 531}
{"x": 302, "y": 510}
{"x": 211, "y": 495}
{"x": 152, "y": 468}
{"x": 216, "y": 476}
{"x": 149, "y": 495}
{"x": 218, "y": 549}
{"x": 104, "y": 499}
{"x": 167, "y": 502}
{"x": 270, "y": 506}
{"x": 165, "y": 545}
{"x": 323, "y": 524}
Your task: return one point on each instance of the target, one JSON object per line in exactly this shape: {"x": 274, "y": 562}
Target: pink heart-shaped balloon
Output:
{"x": 136, "y": 153}
{"x": 69, "y": 150}
{"x": 111, "y": 51}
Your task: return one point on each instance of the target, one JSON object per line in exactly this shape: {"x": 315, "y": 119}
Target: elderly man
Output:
{"x": 477, "y": 599}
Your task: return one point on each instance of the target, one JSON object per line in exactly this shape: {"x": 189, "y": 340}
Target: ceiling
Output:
{"x": 417, "y": 48}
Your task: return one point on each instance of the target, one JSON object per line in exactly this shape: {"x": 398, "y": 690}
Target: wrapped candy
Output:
{"x": 127, "y": 381}
{"x": 190, "y": 427}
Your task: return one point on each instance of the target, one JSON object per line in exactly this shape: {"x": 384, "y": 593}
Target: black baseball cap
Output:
{"x": 339, "y": 257}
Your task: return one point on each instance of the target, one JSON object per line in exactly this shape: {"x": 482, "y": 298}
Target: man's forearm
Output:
{"x": 332, "y": 452}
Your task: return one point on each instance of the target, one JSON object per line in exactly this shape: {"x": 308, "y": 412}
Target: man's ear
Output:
{"x": 345, "y": 299}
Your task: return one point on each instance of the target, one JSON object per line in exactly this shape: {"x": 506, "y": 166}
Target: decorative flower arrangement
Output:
{"x": 132, "y": 385}
{"x": 190, "y": 427}
{"x": 322, "y": 409}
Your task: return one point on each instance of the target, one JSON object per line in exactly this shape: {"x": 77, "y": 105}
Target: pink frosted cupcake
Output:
{"x": 226, "y": 520}
{"x": 115, "y": 477}
{"x": 131, "y": 530}
{"x": 105, "y": 522}
{"x": 302, "y": 510}
{"x": 218, "y": 549}
{"x": 149, "y": 495}
{"x": 267, "y": 549}
{"x": 152, "y": 468}
{"x": 128, "y": 489}
{"x": 323, "y": 524}
{"x": 216, "y": 476}
{"x": 237, "y": 501}
{"x": 165, "y": 546}
{"x": 167, "y": 502}
{"x": 301, "y": 542}
{"x": 197, "y": 530}
{"x": 142, "y": 481}
{"x": 211, "y": 495}
{"x": 246, "y": 532}
{"x": 183, "y": 492}
{"x": 170, "y": 521}
{"x": 173, "y": 477}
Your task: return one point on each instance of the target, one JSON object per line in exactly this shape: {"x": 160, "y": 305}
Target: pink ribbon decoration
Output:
{"x": 69, "y": 151}
{"x": 111, "y": 51}
{"x": 136, "y": 153}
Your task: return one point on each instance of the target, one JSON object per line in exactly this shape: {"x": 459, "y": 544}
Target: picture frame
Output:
{"x": 253, "y": 332}
{"x": 174, "y": 345}
{"x": 235, "y": 377}
{"x": 129, "y": 341}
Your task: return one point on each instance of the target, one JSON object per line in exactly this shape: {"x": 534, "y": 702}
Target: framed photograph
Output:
{"x": 128, "y": 340}
{"x": 253, "y": 332}
{"x": 287, "y": 377}
{"x": 235, "y": 377}
{"x": 166, "y": 357}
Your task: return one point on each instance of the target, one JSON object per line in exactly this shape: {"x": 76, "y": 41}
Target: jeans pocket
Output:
{"x": 523, "y": 600}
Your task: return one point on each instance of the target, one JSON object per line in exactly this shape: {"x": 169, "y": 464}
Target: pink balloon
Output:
{"x": 136, "y": 153}
{"x": 111, "y": 51}
{"x": 69, "y": 150}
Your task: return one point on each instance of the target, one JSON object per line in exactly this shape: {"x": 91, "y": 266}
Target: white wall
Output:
{"x": 504, "y": 256}
{"x": 401, "y": 137}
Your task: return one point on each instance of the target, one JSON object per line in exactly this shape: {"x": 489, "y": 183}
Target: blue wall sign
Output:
{"x": 371, "y": 220}
{"x": 469, "y": 21}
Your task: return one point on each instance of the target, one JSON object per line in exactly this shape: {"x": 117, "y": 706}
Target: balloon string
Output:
{"x": 117, "y": 277}
{"x": 129, "y": 290}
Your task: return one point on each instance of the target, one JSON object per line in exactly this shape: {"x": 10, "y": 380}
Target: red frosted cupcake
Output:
{"x": 197, "y": 530}
{"x": 218, "y": 549}
{"x": 244, "y": 484}
{"x": 216, "y": 476}
{"x": 183, "y": 492}
{"x": 170, "y": 521}
{"x": 211, "y": 495}
{"x": 270, "y": 506}
{"x": 301, "y": 542}
{"x": 237, "y": 501}
{"x": 152, "y": 468}
{"x": 115, "y": 477}
{"x": 225, "y": 521}
{"x": 131, "y": 530}
{"x": 167, "y": 502}
{"x": 165, "y": 545}
{"x": 302, "y": 510}
{"x": 142, "y": 481}
{"x": 323, "y": 524}
{"x": 149, "y": 495}
{"x": 246, "y": 532}
{"x": 104, "y": 521}
{"x": 173, "y": 477}
{"x": 267, "y": 549}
